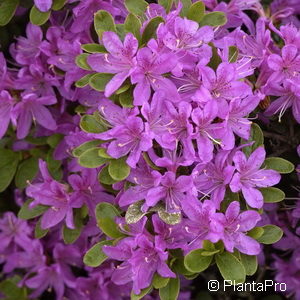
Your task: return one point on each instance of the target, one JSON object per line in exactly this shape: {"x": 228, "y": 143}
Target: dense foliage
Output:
{"x": 147, "y": 148}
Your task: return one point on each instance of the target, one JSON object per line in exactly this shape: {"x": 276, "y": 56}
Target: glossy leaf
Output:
{"x": 171, "y": 290}
{"x": 136, "y": 7}
{"x": 196, "y": 11}
{"x": 26, "y": 172}
{"x": 133, "y": 24}
{"x": 150, "y": 30}
{"x": 194, "y": 261}
{"x": 7, "y": 10}
{"x": 105, "y": 215}
{"x": 230, "y": 267}
{"x": 81, "y": 61}
{"x": 90, "y": 124}
{"x": 27, "y": 213}
{"x": 159, "y": 282}
{"x": 84, "y": 81}
{"x": 105, "y": 178}
{"x": 37, "y": 17}
{"x": 279, "y": 164}
{"x": 91, "y": 158}
{"x": 215, "y": 18}
{"x": 103, "y": 21}
{"x": 94, "y": 257}
{"x": 8, "y": 166}
{"x": 84, "y": 147}
{"x": 134, "y": 212}
{"x": 250, "y": 263}
{"x": 99, "y": 81}
{"x": 271, "y": 234}
{"x": 272, "y": 194}
{"x": 118, "y": 169}
{"x": 93, "y": 48}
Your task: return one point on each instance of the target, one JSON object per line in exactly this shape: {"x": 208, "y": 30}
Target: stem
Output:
{"x": 150, "y": 162}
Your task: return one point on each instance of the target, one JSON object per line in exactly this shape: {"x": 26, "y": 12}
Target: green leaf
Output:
{"x": 90, "y": 124}
{"x": 71, "y": 235}
{"x": 99, "y": 81}
{"x": 37, "y": 17}
{"x": 230, "y": 267}
{"x": 136, "y": 7}
{"x": 215, "y": 59}
{"x": 271, "y": 235}
{"x": 103, "y": 153}
{"x": 53, "y": 165}
{"x": 118, "y": 169}
{"x": 84, "y": 81}
{"x": 180, "y": 268}
{"x": 272, "y": 194}
{"x": 134, "y": 212}
{"x": 93, "y": 48}
{"x": 143, "y": 293}
{"x": 39, "y": 141}
{"x": 279, "y": 164}
{"x": 196, "y": 11}
{"x": 11, "y": 290}
{"x": 54, "y": 140}
{"x": 186, "y": 4}
{"x": 26, "y": 213}
{"x": 104, "y": 177}
{"x": 233, "y": 54}
{"x": 103, "y": 21}
{"x": 169, "y": 218}
{"x": 126, "y": 98}
{"x": 250, "y": 263}
{"x": 58, "y": 4}
{"x": 85, "y": 146}
{"x": 7, "y": 11}
{"x": 171, "y": 290}
{"x": 215, "y": 18}
{"x": 105, "y": 215}
{"x": 94, "y": 257}
{"x": 91, "y": 158}
{"x": 159, "y": 282}
{"x": 195, "y": 262}
{"x": 256, "y": 232}
{"x": 256, "y": 136}
{"x": 81, "y": 61}
{"x": 150, "y": 30}
{"x": 120, "y": 31}
{"x": 8, "y": 166}
{"x": 27, "y": 171}
{"x": 38, "y": 231}
{"x": 167, "y": 4}
{"x": 133, "y": 24}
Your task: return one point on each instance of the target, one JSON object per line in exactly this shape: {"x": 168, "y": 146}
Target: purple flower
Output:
{"x": 87, "y": 190}
{"x": 173, "y": 191}
{"x": 129, "y": 139}
{"x": 14, "y": 230}
{"x": 236, "y": 121}
{"x": 43, "y": 5}
{"x": 54, "y": 194}
{"x": 289, "y": 96}
{"x": 207, "y": 132}
{"x": 6, "y": 107}
{"x": 202, "y": 224}
{"x": 27, "y": 50}
{"x": 285, "y": 66}
{"x": 148, "y": 73}
{"x": 249, "y": 176}
{"x": 223, "y": 86}
{"x": 142, "y": 257}
{"x": 235, "y": 226}
{"x": 32, "y": 108}
{"x": 120, "y": 60}
{"x": 144, "y": 179}
{"x": 213, "y": 177}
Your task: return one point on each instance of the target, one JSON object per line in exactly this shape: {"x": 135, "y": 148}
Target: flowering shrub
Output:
{"x": 143, "y": 144}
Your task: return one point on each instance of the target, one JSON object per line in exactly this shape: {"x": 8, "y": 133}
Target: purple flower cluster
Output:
{"x": 142, "y": 147}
